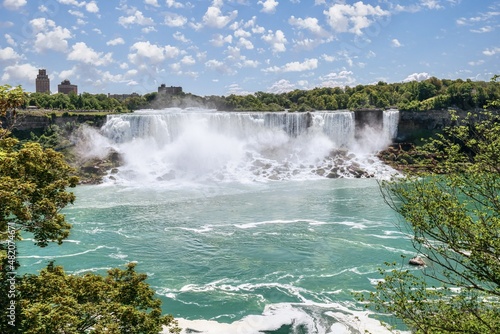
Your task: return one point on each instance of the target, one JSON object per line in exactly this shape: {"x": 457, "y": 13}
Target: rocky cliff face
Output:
{"x": 414, "y": 125}
{"x": 26, "y": 123}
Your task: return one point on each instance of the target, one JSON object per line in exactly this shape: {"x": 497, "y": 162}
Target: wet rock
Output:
{"x": 416, "y": 261}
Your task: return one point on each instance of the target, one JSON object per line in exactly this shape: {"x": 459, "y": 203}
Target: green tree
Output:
{"x": 33, "y": 190}
{"x": 453, "y": 220}
{"x": 121, "y": 302}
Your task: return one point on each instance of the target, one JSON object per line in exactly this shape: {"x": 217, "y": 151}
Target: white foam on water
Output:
{"x": 311, "y": 318}
{"x": 177, "y": 147}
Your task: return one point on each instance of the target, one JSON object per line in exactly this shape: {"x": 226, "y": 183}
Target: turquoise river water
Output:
{"x": 257, "y": 242}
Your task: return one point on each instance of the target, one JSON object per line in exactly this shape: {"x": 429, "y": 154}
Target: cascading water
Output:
{"x": 226, "y": 254}
{"x": 206, "y": 145}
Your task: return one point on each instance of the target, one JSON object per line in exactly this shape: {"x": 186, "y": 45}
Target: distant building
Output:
{"x": 169, "y": 90}
{"x": 66, "y": 87}
{"x": 42, "y": 82}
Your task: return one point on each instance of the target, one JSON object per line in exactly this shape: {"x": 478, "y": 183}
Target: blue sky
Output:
{"x": 222, "y": 47}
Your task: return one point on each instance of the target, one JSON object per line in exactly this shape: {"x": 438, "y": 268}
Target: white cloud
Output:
{"x": 19, "y": 74}
{"x": 241, "y": 33}
{"x": 49, "y": 36}
{"x": 66, "y": 74}
{"x": 175, "y": 20}
{"x": 281, "y": 86}
{"x": 174, "y": 4}
{"x": 245, "y": 43}
{"x": 152, "y": 3}
{"x": 307, "y": 65}
{"x": 188, "y": 60}
{"x": 483, "y": 30}
{"x": 268, "y": 6}
{"x": 76, "y": 13}
{"x": 116, "y": 41}
{"x": 328, "y": 58}
{"x": 276, "y": 40}
{"x": 136, "y": 18}
{"x": 92, "y": 7}
{"x": 395, "y": 43}
{"x": 353, "y": 18}
{"x": 476, "y": 63}
{"x": 340, "y": 79}
{"x": 71, "y": 2}
{"x": 10, "y": 40}
{"x": 219, "y": 40}
{"x": 215, "y": 19}
{"x": 147, "y": 30}
{"x": 14, "y": 4}
{"x": 219, "y": 66}
{"x": 417, "y": 77}
{"x": 147, "y": 53}
{"x": 8, "y": 54}
{"x": 180, "y": 37}
{"x": 248, "y": 63}
{"x": 491, "y": 52}
{"x": 431, "y": 4}
{"x": 82, "y": 53}
{"x": 309, "y": 23}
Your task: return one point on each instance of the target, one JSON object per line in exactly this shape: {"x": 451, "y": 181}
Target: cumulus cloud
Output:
{"x": 48, "y": 36}
{"x": 491, "y": 52}
{"x": 219, "y": 40}
{"x": 268, "y": 6}
{"x": 308, "y": 64}
{"x": 116, "y": 41}
{"x": 92, "y": 7}
{"x": 215, "y": 19}
{"x": 353, "y": 18}
{"x": 281, "y": 86}
{"x": 309, "y": 23}
{"x": 431, "y": 4}
{"x": 340, "y": 79}
{"x": 175, "y": 20}
{"x": 137, "y": 17}
{"x": 152, "y": 3}
{"x": 417, "y": 77}
{"x": 180, "y": 37}
{"x": 82, "y": 53}
{"x": 14, "y": 4}
{"x": 395, "y": 43}
{"x": 145, "y": 52}
{"x": 219, "y": 66}
{"x": 188, "y": 60}
{"x": 245, "y": 43}
{"x": 174, "y": 4}
{"x": 10, "y": 40}
{"x": 277, "y": 40}
{"x": 19, "y": 74}
{"x": 8, "y": 54}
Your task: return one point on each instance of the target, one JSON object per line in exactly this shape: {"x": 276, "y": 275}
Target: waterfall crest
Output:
{"x": 175, "y": 144}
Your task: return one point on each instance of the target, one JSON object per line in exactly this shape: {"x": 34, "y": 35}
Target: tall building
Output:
{"x": 42, "y": 82}
{"x": 163, "y": 89}
{"x": 66, "y": 87}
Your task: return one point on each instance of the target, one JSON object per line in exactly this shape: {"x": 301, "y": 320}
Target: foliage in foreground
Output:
{"x": 33, "y": 191}
{"x": 453, "y": 220}
{"x": 121, "y": 302}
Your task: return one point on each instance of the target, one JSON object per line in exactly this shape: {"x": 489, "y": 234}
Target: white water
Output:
{"x": 234, "y": 221}
{"x": 198, "y": 145}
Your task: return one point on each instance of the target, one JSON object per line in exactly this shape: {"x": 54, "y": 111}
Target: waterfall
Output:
{"x": 391, "y": 120}
{"x": 174, "y": 144}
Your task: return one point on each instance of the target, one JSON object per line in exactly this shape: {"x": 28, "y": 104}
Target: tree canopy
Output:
{"x": 453, "y": 221}
{"x": 34, "y": 186}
